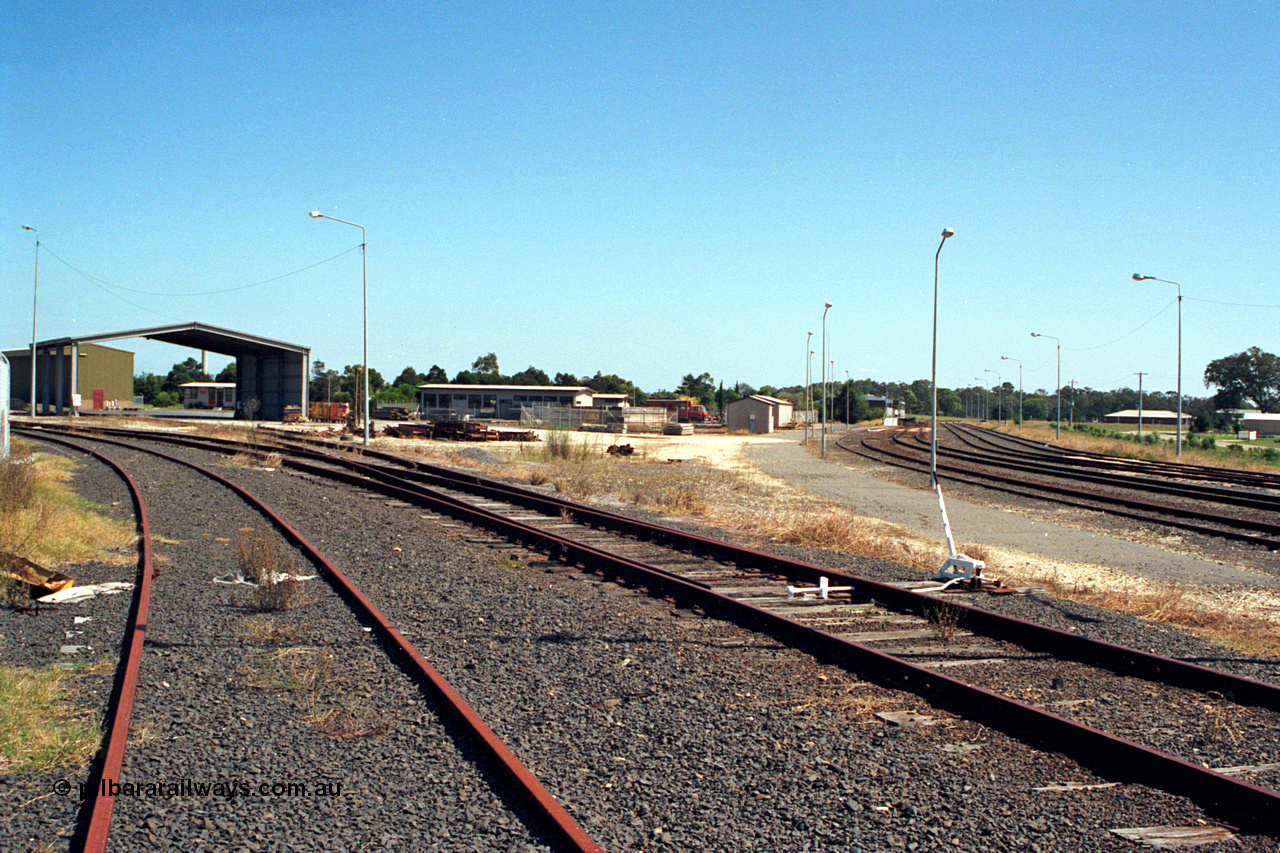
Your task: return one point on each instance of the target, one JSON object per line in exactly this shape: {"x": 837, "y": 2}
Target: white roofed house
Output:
{"x": 1260, "y": 422}
{"x": 208, "y": 395}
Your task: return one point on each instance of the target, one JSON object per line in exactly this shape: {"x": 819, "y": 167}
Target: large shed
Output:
{"x": 272, "y": 373}
{"x": 499, "y": 402}
{"x": 758, "y": 414}
{"x": 100, "y": 377}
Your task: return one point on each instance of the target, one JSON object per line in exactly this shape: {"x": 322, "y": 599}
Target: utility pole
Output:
{"x": 1073, "y": 404}
{"x": 1140, "y": 375}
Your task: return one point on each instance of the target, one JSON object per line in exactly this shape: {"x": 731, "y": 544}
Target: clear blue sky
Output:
{"x": 653, "y": 189}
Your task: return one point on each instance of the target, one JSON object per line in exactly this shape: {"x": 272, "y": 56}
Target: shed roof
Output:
{"x": 1147, "y": 413}
{"x": 523, "y": 389}
{"x": 194, "y": 335}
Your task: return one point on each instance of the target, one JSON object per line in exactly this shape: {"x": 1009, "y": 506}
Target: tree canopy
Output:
{"x": 1250, "y": 375}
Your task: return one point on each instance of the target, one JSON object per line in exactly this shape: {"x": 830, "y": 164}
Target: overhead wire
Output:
{"x": 99, "y": 282}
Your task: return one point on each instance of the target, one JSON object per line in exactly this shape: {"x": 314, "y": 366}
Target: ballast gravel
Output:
{"x": 656, "y": 728}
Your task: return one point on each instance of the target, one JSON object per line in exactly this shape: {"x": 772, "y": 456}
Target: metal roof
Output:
{"x": 194, "y": 335}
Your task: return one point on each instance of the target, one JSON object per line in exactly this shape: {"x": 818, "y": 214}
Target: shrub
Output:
{"x": 164, "y": 400}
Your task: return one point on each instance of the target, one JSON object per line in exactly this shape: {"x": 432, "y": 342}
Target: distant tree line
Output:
{"x": 1251, "y": 378}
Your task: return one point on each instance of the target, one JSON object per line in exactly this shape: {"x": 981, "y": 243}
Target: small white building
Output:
{"x": 208, "y": 395}
{"x": 892, "y": 408}
{"x": 1150, "y": 417}
{"x": 758, "y": 414}
{"x": 1262, "y": 424}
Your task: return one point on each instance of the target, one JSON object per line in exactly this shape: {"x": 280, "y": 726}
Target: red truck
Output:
{"x": 684, "y": 410}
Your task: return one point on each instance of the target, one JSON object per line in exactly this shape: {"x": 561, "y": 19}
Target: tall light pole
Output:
{"x": 35, "y": 289}
{"x": 364, "y": 277}
{"x": 846, "y": 399}
{"x": 999, "y": 410}
{"x": 825, "y": 308}
{"x": 808, "y": 393}
{"x": 982, "y": 399}
{"x": 1006, "y": 358}
{"x": 1058, "y": 431}
{"x": 1073, "y": 404}
{"x": 933, "y": 380}
{"x": 1137, "y": 277}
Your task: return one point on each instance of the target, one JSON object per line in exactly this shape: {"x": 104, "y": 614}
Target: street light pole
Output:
{"x": 35, "y": 288}
{"x": 982, "y": 399}
{"x": 846, "y": 399}
{"x": 933, "y": 380}
{"x": 1137, "y": 277}
{"x": 999, "y": 389}
{"x": 808, "y": 386}
{"x": 1006, "y": 358}
{"x": 825, "y": 308}
{"x": 364, "y": 278}
{"x": 1058, "y": 430}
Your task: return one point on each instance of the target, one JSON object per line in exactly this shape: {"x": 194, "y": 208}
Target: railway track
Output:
{"x": 530, "y": 801}
{"x": 898, "y": 637}
{"x": 1148, "y": 495}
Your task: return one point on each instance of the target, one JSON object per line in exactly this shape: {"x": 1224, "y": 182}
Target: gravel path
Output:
{"x": 657, "y": 729}
{"x": 848, "y": 483}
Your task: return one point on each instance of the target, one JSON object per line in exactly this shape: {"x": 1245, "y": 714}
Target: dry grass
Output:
{"x": 40, "y": 729}
{"x": 1161, "y": 452}
{"x": 945, "y": 619}
{"x": 1247, "y": 622}
{"x": 304, "y": 671}
{"x": 44, "y": 521}
{"x": 857, "y": 702}
{"x": 310, "y": 675}
{"x": 273, "y": 567}
{"x": 733, "y": 495}
{"x": 265, "y": 631}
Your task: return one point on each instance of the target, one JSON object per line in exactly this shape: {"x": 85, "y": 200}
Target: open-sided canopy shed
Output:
{"x": 274, "y": 373}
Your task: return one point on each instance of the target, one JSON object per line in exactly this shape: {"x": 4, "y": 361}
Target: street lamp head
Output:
{"x": 1137, "y": 277}
{"x": 315, "y": 214}
{"x": 948, "y": 232}
{"x": 1035, "y": 334}
{"x": 29, "y": 228}
{"x": 827, "y": 305}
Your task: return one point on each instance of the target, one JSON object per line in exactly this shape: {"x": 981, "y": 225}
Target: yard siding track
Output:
{"x": 659, "y": 589}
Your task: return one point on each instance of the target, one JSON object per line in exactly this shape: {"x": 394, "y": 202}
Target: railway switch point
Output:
{"x": 822, "y": 590}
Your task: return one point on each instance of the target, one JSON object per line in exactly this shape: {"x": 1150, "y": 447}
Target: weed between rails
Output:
{"x": 40, "y": 730}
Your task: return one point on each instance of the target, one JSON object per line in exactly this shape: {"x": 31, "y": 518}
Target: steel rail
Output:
{"x": 1119, "y": 659}
{"x": 553, "y": 816}
{"x": 100, "y": 804}
{"x": 1063, "y": 495}
{"x": 1224, "y": 496}
{"x": 1182, "y": 470}
{"x": 1249, "y": 805}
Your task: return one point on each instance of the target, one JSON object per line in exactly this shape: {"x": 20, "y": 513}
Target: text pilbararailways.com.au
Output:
{"x": 227, "y": 789}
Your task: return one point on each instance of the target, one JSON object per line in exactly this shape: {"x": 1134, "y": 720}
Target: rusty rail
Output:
{"x": 554, "y": 818}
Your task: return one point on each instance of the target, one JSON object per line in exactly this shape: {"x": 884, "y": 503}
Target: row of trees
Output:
{"x": 1249, "y": 377}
